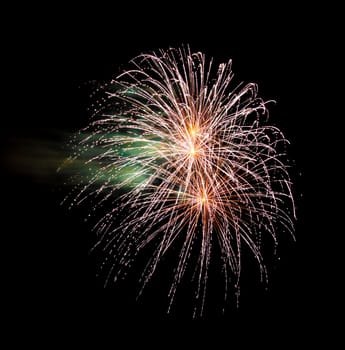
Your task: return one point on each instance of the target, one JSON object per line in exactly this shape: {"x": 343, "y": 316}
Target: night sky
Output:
{"x": 57, "y": 56}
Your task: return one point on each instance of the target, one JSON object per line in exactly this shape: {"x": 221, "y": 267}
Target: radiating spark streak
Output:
{"x": 182, "y": 154}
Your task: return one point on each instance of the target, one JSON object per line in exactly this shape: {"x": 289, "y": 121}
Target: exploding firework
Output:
{"x": 175, "y": 152}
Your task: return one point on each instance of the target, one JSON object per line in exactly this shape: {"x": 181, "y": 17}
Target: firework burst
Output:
{"x": 183, "y": 154}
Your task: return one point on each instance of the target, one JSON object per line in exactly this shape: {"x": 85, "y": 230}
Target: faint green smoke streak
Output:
{"x": 36, "y": 157}
{"x": 46, "y": 159}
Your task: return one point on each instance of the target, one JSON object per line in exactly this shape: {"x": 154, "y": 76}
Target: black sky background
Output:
{"x": 50, "y": 271}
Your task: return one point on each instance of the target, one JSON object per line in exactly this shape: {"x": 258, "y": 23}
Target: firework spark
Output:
{"x": 183, "y": 154}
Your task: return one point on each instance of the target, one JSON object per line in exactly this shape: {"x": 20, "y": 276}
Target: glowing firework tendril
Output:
{"x": 180, "y": 153}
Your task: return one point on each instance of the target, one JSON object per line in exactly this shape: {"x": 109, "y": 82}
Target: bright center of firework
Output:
{"x": 192, "y": 136}
{"x": 192, "y": 150}
{"x": 203, "y": 199}
{"x": 193, "y": 130}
